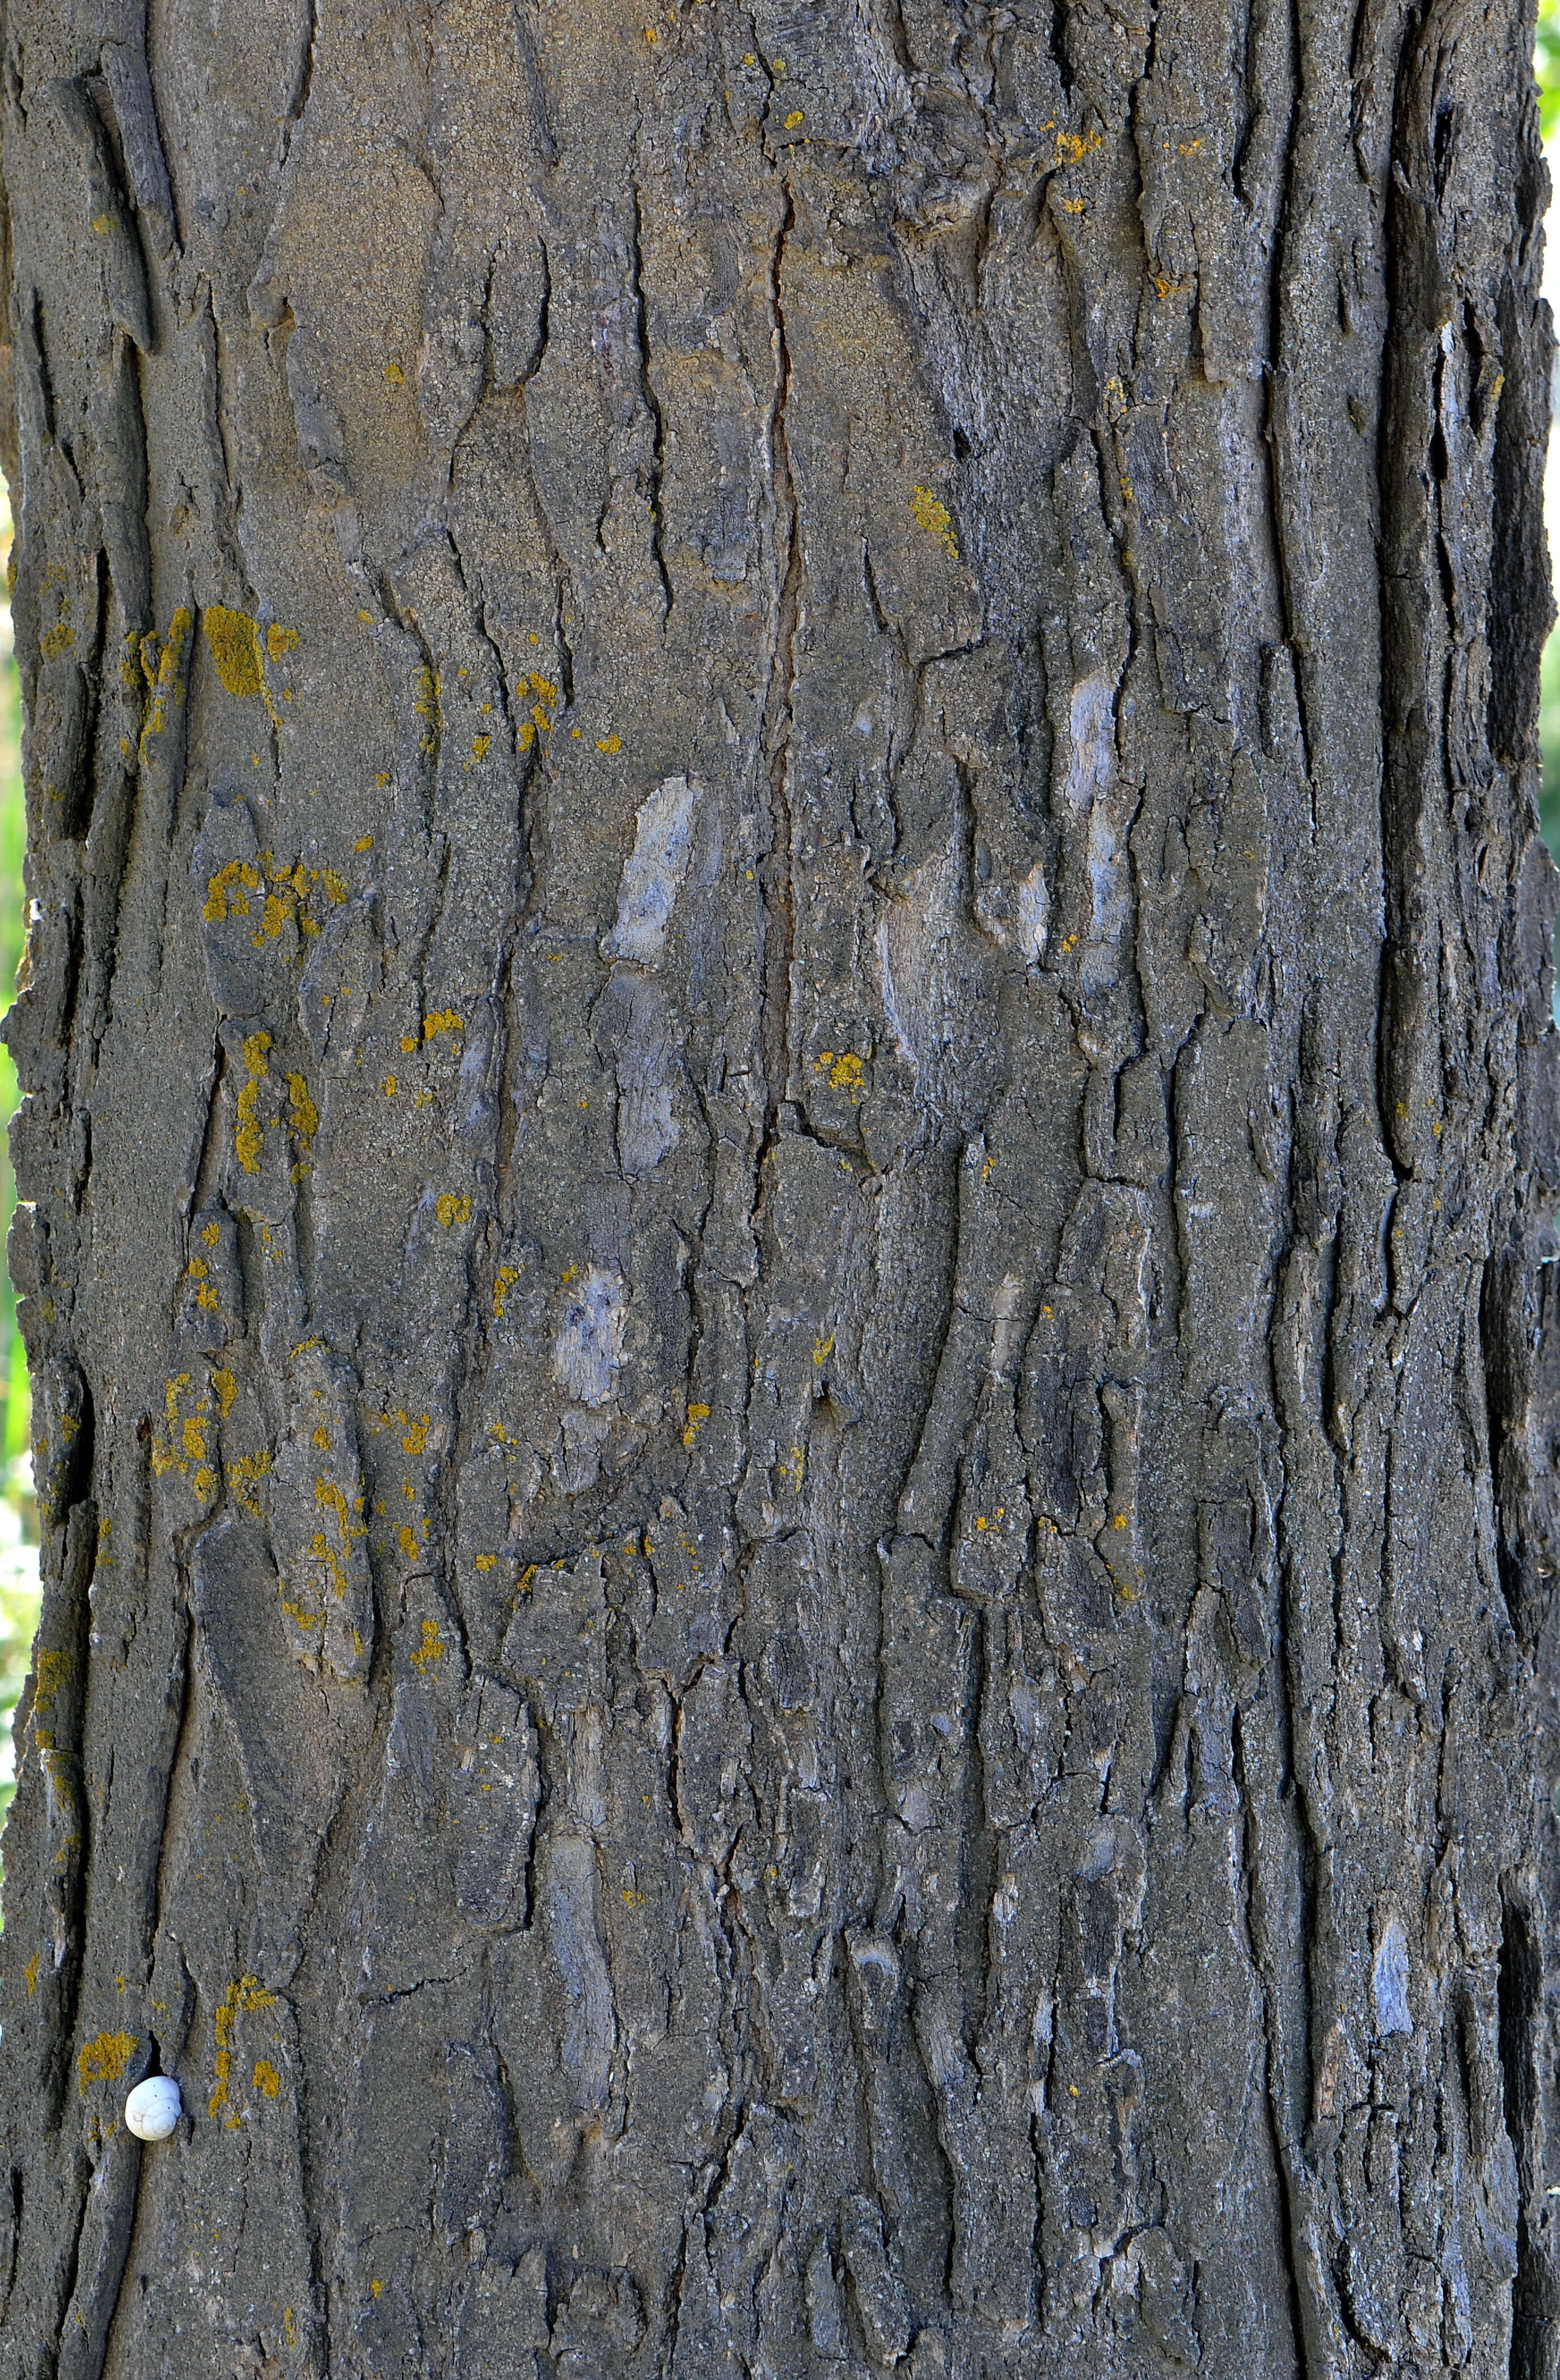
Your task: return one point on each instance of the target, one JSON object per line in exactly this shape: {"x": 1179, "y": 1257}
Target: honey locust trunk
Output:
{"x": 789, "y": 1145}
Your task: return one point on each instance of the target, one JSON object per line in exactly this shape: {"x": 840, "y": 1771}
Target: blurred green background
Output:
{"x": 19, "y": 1530}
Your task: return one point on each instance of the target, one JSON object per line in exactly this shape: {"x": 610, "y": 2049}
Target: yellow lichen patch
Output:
{"x": 443, "y": 1020}
{"x": 609, "y": 742}
{"x": 843, "y": 1072}
{"x": 698, "y": 1416}
{"x": 391, "y": 1086}
{"x": 31, "y": 1971}
{"x": 235, "y": 642}
{"x": 431, "y": 1648}
{"x": 408, "y": 1545}
{"x": 323, "y": 1438}
{"x": 52, "y": 1671}
{"x": 226, "y": 1388}
{"x": 244, "y": 1478}
{"x": 503, "y": 1282}
{"x": 247, "y": 1993}
{"x": 823, "y": 1349}
{"x": 265, "y": 2078}
{"x": 364, "y": 842}
{"x": 336, "y": 887}
{"x": 305, "y": 1115}
{"x": 396, "y": 377}
{"x": 479, "y": 745}
{"x": 279, "y": 641}
{"x": 425, "y": 702}
{"x": 181, "y": 1442}
{"x": 56, "y": 640}
{"x": 162, "y": 662}
{"x": 487, "y": 1561}
{"x": 199, "y": 1271}
{"x": 247, "y": 1140}
{"x": 793, "y": 120}
{"x": 544, "y": 697}
{"x": 349, "y": 1524}
{"x": 451, "y": 1210}
{"x": 1072, "y": 147}
{"x": 934, "y": 518}
{"x": 104, "y": 2057}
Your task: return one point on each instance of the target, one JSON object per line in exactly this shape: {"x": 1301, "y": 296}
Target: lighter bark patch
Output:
{"x": 588, "y": 1352}
{"x": 653, "y": 873}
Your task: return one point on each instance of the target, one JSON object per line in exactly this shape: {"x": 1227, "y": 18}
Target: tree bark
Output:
{"x": 790, "y": 1136}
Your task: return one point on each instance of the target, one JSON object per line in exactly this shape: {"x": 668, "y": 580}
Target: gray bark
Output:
{"x": 790, "y": 1131}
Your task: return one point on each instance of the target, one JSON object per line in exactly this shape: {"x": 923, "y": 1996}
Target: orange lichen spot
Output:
{"x": 633, "y": 1900}
{"x": 391, "y": 1086}
{"x": 364, "y": 842}
{"x": 431, "y": 1648}
{"x": 336, "y": 887}
{"x": 793, "y": 120}
{"x": 279, "y": 640}
{"x": 823, "y": 1349}
{"x": 487, "y": 1561}
{"x": 527, "y": 1576}
{"x": 698, "y": 1416}
{"x": 394, "y": 374}
{"x": 235, "y": 642}
{"x": 265, "y": 2078}
{"x": 451, "y": 1210}
{"x": 609, "y": 742}
{"x": 503, "y": 1282}
{"x": 226, "y": 1388}
{"x": 227, "y": 891}
{"x": 479, "y": 747}
{"x": 443, "y": 1020}
{"x": 323, "y": 1438}
{"x": 415, "y": 1439}
{"x": 934, "y": 518}
{"x": 409, "y": 1041}
{"x": 104, "y": 2057}
{"x": 1072, "y": 147}
{"x": 31, "y": 1971}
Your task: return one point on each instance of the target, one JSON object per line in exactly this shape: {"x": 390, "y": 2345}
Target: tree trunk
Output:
{"x": 790, "y": 1123}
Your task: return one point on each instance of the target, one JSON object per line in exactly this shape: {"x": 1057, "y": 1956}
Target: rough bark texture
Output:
{"x": 790, "y": 1126}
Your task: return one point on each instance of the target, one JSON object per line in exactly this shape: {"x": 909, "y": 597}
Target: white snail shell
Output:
{"x": 154, "y": 2108}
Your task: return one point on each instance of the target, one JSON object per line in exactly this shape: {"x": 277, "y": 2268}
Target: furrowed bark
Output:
{"x": 789, "y": 1149}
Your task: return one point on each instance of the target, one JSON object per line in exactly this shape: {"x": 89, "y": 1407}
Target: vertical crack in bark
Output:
{"x": 775, "y": 732}
{"x": 652, "y": 405}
